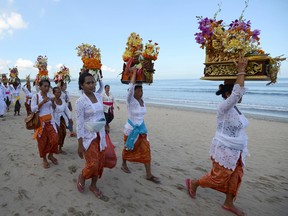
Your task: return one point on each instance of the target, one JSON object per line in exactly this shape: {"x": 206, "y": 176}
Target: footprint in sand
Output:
{"x": 22, "y": 194}
{"x": 180, "y": 187}
{"x": 44, "y": 209}
{"x": 72, "y": 169}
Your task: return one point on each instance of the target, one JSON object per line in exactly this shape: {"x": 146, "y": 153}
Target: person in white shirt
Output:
{"x": 108, "y": 102}
{"x": 229, "y": 145}
{"x": 62, "y": 117}
{"x": 46, "y": 135}
{"x": 90, "y": 122}
{"x": 137, "y": 145}
{"x": 27, "y": 90}
{"x": 7, "y": 96}
{"x": 66, "y": 97}
{"x": 2, "y": 101}
{"x": 15, "y": 89}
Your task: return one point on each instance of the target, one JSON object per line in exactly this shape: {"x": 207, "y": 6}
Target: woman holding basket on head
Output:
{"x": 229, "y": 145}
{"x": 137, "y": 146}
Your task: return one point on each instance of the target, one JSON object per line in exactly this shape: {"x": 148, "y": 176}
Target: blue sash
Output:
{"x": 137, "y": 129}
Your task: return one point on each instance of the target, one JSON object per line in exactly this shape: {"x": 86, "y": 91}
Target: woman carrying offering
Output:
{"x": 229, "y": 145}
{"x": 137, "y": 146}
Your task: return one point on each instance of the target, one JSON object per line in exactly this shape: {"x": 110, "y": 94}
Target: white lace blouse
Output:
{"x": 230, "y": 141}
{"x": 136, "y": 112}
{"x": 62, "y": 111}
{"x": 86, "y": 111}
{"x": 46, "y": 109}
{"x": 15, "y": 92}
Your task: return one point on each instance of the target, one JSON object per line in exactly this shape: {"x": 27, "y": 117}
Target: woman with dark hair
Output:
{"x": 90, "y": 122}
{"x": 109, "y": 102}
{"x": 137, "y": 146}
{"x": 62, "y": 116}
{"x": 229, "y": 145}
{"x": 46, "y": 134}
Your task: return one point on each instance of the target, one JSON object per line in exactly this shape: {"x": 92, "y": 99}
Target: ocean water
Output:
{"x": 262, "y": 100}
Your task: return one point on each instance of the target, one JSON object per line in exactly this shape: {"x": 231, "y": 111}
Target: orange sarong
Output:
{"x": 94, "y": 160}
{"x": 223, "y": 179}
{"x": 141, "y": 152}
{"x": 48, "y": 141}
{"x": 61, "y": 132}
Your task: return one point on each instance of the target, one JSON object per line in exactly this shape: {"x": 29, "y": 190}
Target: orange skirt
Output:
{"x": 94, "y": 160}
{"x": 48, "y": 141}
{"x": 141, "y": 152}
{"x": 223, "y": 179}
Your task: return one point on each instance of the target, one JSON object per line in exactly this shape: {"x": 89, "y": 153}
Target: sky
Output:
{"x": 54, "y": 28}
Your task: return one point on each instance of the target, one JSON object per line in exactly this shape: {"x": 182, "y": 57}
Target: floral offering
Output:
{"x": 13, "y": 74}
{"x": 63, "y": 75}
{"x": 133, "y": 44}
{"x": 41, "y": 64}
{"x": 238, "y": 38}
{"x": 91, "y": 56}
{"x": 225, "y": 43}
{"x": 141, "y": 58}
{"x": 151, "y": 51}
{"x": 4, "y": 78}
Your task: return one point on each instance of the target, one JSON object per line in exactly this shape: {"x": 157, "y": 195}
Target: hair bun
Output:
{"x": 220, "y": 91}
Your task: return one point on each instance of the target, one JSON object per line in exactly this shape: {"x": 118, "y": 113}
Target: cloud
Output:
{"x": 4, "y": 66}
{"x": 106, "y": 68}
{"x": 10, "y": 22}
{"x": 23, "y": 64}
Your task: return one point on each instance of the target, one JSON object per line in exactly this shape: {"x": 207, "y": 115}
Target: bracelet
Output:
{"x": 241, "y": 73}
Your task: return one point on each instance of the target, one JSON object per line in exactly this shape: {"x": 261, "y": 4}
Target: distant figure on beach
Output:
{"x": 91, "y": 134}
{"x": 15, "y": 89}
{"x": 137, "y": 146}
{"x": 62, "y": 117}
{"x": 27, "y": 90}
{"x": 109, "y": 103}
{"x": 66, "y": 97}
{"x": 46, "y": 135}
{"x": 7, "y": 96}
{"x": 2, "y": 101}
{"x": 229, "y": 145}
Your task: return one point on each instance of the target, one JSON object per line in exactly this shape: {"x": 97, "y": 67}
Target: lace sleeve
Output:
{"x": 130, "y": 93}
{"x": 79, "y": 110}
{"x": 233, "y": 99}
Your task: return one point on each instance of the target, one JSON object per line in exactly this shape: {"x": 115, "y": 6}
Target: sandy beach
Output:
{"x": 180, "y": 141}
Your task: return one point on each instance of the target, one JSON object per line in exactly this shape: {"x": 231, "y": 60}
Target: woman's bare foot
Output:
{"x": 233, "y": 209}
{"x": 46, "y": 165}
{"x": 125, "y": 168}
{"x": 53, "y": 159}
{"x": 62, "y": 152}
